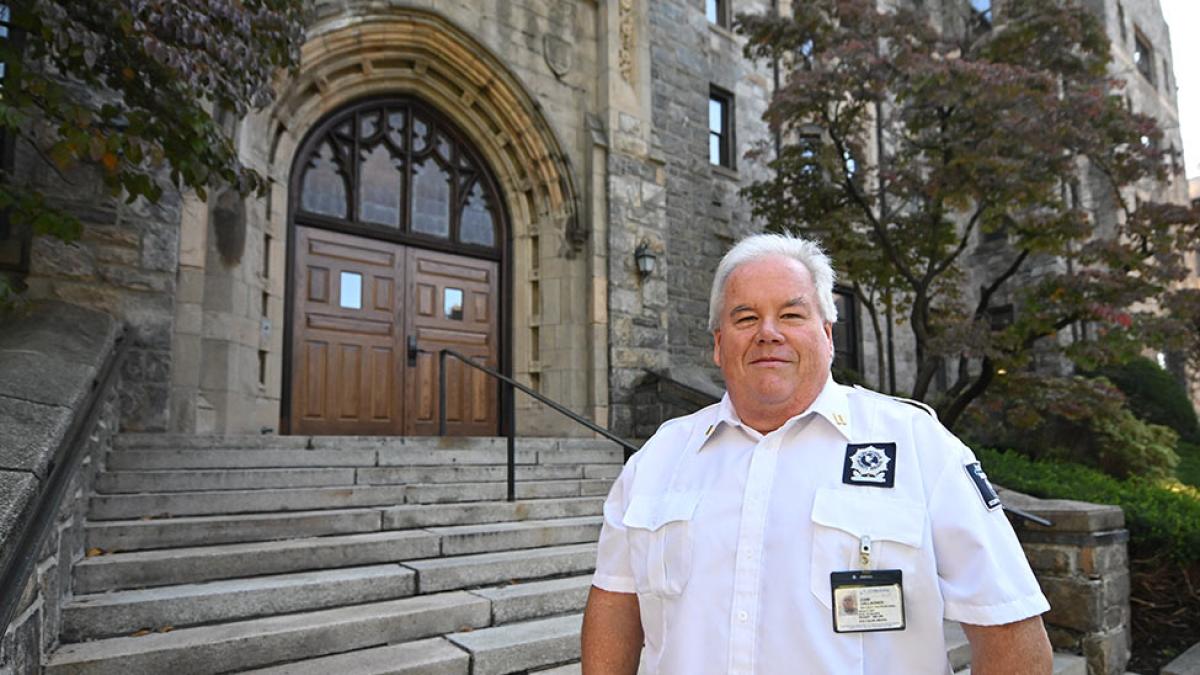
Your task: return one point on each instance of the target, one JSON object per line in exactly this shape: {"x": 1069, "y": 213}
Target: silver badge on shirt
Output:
{"x": 870, "y": 464}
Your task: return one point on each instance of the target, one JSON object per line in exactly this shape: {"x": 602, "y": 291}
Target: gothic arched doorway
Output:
{"x": 396, "y": 233}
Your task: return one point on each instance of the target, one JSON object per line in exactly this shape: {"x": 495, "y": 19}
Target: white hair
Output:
{"x": 756, "y": 246}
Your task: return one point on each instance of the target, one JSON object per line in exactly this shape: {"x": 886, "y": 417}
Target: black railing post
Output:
{"x": 442, "y": 393}
{"x": 510, "y": 413}
{"x": 508, "y": 395}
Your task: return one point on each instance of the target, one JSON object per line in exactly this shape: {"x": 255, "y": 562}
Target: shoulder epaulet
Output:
{"x": 916, "y": 404}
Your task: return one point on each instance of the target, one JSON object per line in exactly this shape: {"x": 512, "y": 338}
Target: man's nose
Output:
{"x": 768, "y": 331}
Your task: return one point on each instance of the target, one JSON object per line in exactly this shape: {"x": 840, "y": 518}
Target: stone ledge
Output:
{"x": 49, "y": 356}
{"x": 29, "y": 434}
{"x": 1187, "y": 663}
{"x": 17, "y": 491}
{"x": 1067, "y": 515}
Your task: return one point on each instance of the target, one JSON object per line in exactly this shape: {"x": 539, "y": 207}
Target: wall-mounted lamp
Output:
{"x": 645, "y": 258}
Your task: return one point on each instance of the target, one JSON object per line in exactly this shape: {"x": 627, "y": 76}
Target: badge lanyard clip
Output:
{"x": 864, "y": 551}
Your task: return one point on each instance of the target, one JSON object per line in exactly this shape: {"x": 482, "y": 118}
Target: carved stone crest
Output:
{"x": 558, "y": 54}
{"x": 628, "y": 26}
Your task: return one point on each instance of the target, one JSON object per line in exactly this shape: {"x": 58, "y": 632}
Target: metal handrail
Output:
{"x": 510, "y": 411}
{"x": 510, "y": 414}
{"x": 65, "y": 465}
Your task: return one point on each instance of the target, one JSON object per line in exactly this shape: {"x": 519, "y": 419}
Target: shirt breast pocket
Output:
{"x": 840, "y": 518}
{"x": 659, "y": 530}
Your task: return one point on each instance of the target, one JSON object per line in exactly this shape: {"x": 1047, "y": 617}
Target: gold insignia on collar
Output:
{"x": 708, "y": 432}
{"x": 837, "y": 418}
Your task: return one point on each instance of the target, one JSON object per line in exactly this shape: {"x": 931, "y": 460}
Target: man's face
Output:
{"x": 772, "y": 345}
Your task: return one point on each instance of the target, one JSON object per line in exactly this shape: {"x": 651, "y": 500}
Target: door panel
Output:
{"x": 455, "y": 300}
{"x": 356, "y": 302}
{"x": 345, "y": 373}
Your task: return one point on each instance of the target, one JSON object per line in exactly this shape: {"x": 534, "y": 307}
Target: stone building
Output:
{"x": 476, "y": 175}
{"x": 545, "y": 186}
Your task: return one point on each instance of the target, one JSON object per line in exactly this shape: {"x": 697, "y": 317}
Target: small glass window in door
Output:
{"x": 351, "y": 295}
{"x": 452, "y": 304}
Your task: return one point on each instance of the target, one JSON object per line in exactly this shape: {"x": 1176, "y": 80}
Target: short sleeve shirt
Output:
{"x": 729, "y": 537}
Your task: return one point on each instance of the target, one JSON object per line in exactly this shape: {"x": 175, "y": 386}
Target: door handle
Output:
{"x": 412, "y": 351}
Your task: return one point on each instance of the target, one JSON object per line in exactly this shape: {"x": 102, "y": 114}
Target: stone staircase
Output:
{"x": 354, "y": 556}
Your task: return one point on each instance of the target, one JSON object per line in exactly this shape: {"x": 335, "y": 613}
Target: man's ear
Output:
{"x": 829, "y": 336}
{"x": 717, "y": 347}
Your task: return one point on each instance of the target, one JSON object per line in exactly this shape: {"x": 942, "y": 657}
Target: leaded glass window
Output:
{"x": 396, "y": 166}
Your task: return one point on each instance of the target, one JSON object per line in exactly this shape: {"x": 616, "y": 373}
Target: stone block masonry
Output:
{"x": 667, "y": 194}
{"x": 49, "y": 357}
{"x": 1082, "y": 564}
{"x": 123, "y": 264}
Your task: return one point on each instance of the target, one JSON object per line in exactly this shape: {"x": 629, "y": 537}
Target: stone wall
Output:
{"x": 519, "y": 78}
{"x": 49, "y": 358}
{"x": 664, "y": 192}
{"x": 1082, "y": 564}
{"x": 124, "y": 265}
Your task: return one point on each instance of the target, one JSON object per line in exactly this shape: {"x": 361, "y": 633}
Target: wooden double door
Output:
{"x": 356, "y": 302}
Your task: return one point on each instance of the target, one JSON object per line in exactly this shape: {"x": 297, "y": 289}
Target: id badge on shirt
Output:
{"x": 867, "y": 601}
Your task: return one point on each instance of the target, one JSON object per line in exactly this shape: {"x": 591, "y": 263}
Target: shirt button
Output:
{"x": 742, "y": 616}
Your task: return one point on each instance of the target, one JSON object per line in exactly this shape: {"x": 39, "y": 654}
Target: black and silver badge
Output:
{"x": 871, "y": 464}
{"x": 986, "y": 492}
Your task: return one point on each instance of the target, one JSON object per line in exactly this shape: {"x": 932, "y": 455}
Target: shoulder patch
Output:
{"x": 986, "y": 492}
{"x": 916, "y": 404}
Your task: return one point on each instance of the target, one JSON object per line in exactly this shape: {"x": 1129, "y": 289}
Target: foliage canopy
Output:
{"x": 907, "y": 147}
{"x": 136, "y": 88}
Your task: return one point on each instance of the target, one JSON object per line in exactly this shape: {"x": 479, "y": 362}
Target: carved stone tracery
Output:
{"x": 628, "y": 27}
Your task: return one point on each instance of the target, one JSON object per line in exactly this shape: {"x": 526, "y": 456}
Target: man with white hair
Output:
{"x": 801, "y": 526}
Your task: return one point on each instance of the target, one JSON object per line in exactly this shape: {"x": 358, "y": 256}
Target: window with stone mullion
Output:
{"x": 395, "y": 167}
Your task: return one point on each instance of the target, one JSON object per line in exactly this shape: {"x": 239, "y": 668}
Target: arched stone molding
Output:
{"x": 363, "y": 52}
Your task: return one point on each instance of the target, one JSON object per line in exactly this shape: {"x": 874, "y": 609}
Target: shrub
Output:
{"x": 1189, "y": 463}
{"x": 1162, "y": 515}
{"x": 1156, "y": 396}
{"x": 1077, "y": 419}
{"x": 1163, "y": 518}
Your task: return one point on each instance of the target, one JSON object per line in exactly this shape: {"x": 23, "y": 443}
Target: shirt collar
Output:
{"x": 832, "y": 403}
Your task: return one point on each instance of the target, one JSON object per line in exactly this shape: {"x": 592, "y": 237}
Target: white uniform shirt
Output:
{"x": 729, "y": 537}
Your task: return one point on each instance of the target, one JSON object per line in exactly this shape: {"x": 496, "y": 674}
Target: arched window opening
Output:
{"x": 397, "y": 168}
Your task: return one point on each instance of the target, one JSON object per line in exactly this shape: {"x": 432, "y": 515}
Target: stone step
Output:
{"x": 435, "y": 656}
{"x": 958, "y": 650}
{"x": 522, "y": 646}
{"x": 566, "y": 669}
{"x": 477, "y": 473}
{"x": 474, "y": 513}
{"x": 141, "y": 459}
{"x": 184, "y": 441}
{"x": 227, "y": 502}
{"x": 468, "y": 539}
{"x": 124, "y": 482}
{"x": 261, "y": 642}
{"x": 154, "y": 460}
{"x": 1064, "y": 664}
{"x": 207, "y": 563}
{"x": 534, "y": 599}
{"x": 123, "y": 612}
{"x": 137, "y": 535}
{"x": 444, "y": 493}
{"x": 161, "y": 441}
{"x": 484, "y": 569}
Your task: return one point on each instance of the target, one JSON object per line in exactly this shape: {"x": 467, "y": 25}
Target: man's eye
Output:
{"x": 744, "y": 319}
{"x": 793, "y": 316}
